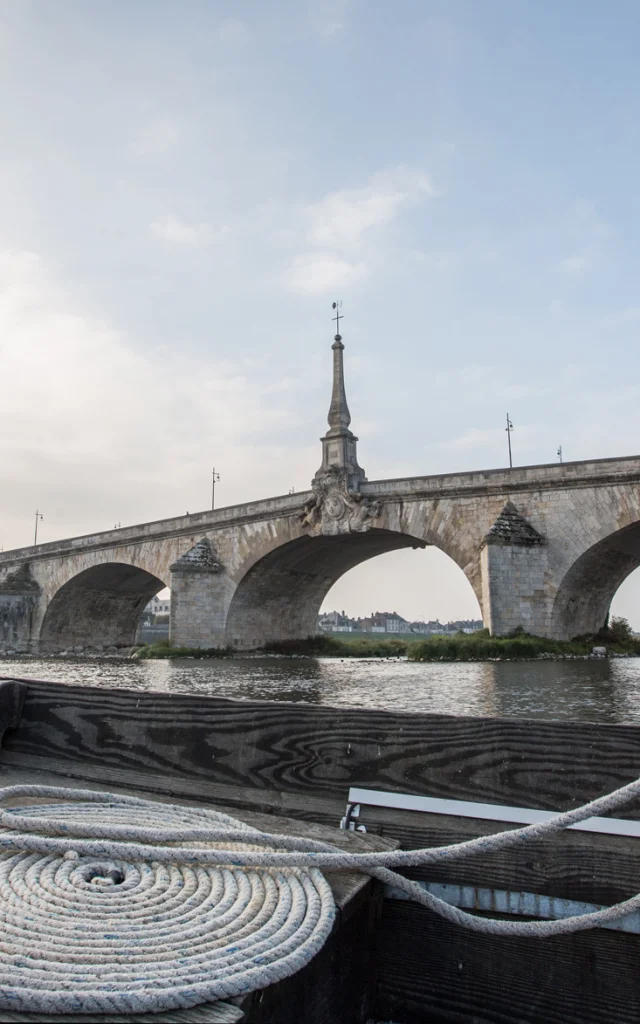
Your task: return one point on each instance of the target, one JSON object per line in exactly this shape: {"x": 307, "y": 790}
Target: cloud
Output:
{"x": 317, "y": 272}
{"x": 621, "y": 318}
{"x": 232, "y": 31}
{"x": 587, "y": 235}
{"x": 99, "y": 430}
{"x": 574, "y": 264}
{"x": 344, "y": 216}
{"x": 157, "y": 138}
{"x": 328, "y": 17}
{"x": 340, "y": 247}
{"x": 178, "y": 232}
{"x": 471, "y": 439}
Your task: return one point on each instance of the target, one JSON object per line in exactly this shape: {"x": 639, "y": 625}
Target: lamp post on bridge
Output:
{"x": 39, "y": 516}
{"x": 214, "y": 479}
{"x": 509, "y": 428}
{"x": 559, "y": 453}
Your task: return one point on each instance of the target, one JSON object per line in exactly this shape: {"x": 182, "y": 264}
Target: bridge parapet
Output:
{"x": 546, "y": 476}
{"x": 552, "y": 476}
{"x": 210, "y": 519}
{"x": 275, "y": 571}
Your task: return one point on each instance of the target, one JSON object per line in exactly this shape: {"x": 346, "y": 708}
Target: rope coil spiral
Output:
{"x": 101, "y": 934}
{"x": 104, "y": 909}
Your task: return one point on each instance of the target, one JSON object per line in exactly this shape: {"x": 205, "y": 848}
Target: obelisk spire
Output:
{"x": 339, "y": 444}
{"x": 339, "y": 416}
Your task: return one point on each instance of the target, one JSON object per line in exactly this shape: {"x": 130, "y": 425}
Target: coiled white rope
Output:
{"x": 94, "y": 932}
{"x": 100, "y": 911}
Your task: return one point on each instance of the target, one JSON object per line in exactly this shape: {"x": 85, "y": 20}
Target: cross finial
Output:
{"x": 338, "y": 317}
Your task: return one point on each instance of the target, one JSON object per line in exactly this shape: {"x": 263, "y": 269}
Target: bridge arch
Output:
{"x": 100, "y": 605}
{"x": 280, "y": 595}
{"x": 585, "y": 593}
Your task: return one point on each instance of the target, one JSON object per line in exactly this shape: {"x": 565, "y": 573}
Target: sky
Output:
{"x": 186, "y": 187}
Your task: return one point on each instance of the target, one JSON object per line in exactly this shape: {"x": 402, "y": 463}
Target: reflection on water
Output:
{"x": 597, "y": 691}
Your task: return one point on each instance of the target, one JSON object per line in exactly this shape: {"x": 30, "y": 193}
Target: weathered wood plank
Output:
{"x": 12, "y": 695}
{"x": 572, "y": 865}
{"x": 327, "y": 810}
{"x": 469, "y": 977}
{"x": 430, "y": 970}
{"x": 320, "y": 751}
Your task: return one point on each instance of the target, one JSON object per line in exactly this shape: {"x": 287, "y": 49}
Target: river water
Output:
{"x": 594, "y": 690}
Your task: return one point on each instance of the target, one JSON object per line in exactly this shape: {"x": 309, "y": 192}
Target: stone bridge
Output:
{"x": 544, "y": 547}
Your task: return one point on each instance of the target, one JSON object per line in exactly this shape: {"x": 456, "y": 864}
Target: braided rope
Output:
{"x": 103, "y": 909}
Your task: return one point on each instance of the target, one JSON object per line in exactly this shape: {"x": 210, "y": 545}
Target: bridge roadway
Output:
{"x": 544, "y": 547}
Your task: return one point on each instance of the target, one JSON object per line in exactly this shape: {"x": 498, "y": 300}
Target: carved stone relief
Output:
{"x": 335, "y": 509}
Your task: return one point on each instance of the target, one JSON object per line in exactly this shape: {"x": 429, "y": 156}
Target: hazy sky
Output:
{"x": 186, "y": 186}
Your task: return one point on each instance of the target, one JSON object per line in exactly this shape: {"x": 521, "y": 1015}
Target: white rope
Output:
{"x": 101, "y": 911}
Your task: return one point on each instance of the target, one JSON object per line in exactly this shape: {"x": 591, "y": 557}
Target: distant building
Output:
{"x": 426, "y": 627}
{"x": 384, "y": 622}
{"x": 371, "y": 625}
{"x": 465, "y": 625}
{"x": 392, "y": 622}
{"x": 336, "y": 622}
{"x": 157, "y": 606}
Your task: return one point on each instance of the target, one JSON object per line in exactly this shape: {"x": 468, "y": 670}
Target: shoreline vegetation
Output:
{"x": 617, "y": 640}
{"x": 163, "y": 649}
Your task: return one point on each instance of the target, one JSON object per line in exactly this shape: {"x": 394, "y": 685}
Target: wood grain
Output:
{"x": 318, "y": 751}
{"x": 431, "y": 971}
{"x": 12, "y": 697}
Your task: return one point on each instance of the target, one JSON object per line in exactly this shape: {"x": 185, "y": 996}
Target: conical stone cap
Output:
{"x": 512, "y": 528}
{"x": 200, "y": 558}
{"x": 20, "y": 581}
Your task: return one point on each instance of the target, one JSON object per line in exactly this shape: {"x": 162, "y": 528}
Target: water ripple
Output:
{"x": 597, "y": 691}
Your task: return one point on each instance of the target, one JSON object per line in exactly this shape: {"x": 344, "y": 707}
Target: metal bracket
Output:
{"x": 347, "y": 824}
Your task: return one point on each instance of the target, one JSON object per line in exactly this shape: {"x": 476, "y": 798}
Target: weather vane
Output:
{"x": 338, "y": 317}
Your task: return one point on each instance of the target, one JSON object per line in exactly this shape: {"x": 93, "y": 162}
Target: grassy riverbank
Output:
{"x": 490, "y": 648}
{"x": 323, "y": 646}
{"x": 163, "y": 649}
{"x": 480, "y": 646}
{"x": 463, "y": 647}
